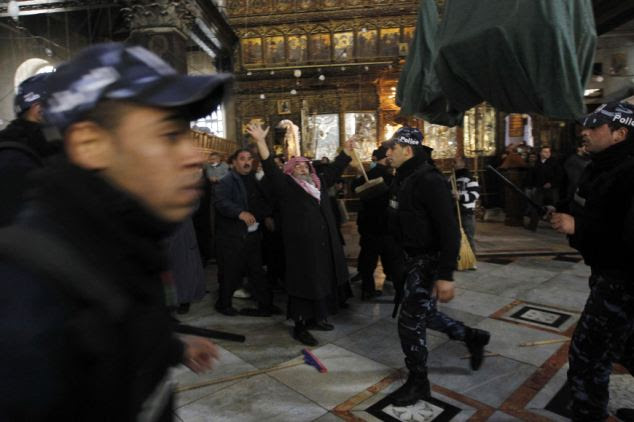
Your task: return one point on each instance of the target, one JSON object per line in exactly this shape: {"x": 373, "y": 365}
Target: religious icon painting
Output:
{"x": 251, "y": 50}
{"x": 390, "y": 38}
{"x": 403, "y": 49}
{"x": 283, "y": 106}
{"x": 297, "y": 51}
{"x": 344, "y": 46}
{"x": 274, "y": 49}
{"x": 408, "y": 35}
{"x": 367, "y": 45}
{"x": 320, "y": 47}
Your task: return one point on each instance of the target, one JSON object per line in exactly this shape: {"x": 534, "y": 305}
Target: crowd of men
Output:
{"x": 98, "y": 244}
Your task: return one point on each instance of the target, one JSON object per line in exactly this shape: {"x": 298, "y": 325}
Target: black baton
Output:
{"x": 540, "y": 209}
{"x": 204, "y": 332}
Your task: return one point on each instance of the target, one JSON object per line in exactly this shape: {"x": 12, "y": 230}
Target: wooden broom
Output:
{"x": 466, "y": 259}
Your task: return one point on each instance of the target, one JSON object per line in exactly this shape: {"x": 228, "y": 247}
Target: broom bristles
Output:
{"x": 466, "y": 259}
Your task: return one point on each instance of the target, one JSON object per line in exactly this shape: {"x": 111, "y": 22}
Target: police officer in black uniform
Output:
{"x": 598, "y": 221}
{"x": 422, "y": 219}
{"x": 23, "y": 147}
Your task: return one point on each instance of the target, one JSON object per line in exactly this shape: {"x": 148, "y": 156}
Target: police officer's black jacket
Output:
{"x": 22, "y": 150}
{"x": 63, "y": 357}
{"x": 600, "y": 206}
{"x": 372, "y": 217}
{"x": 422, "y": 215}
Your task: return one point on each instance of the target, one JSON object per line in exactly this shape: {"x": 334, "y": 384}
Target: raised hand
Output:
{"x": 256, "y": 131}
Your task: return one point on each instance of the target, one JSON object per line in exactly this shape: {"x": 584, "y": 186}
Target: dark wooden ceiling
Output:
{"x": 610, "y": 14}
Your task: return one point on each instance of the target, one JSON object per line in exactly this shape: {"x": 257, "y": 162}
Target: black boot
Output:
{"x": 626, "y": 415}
{"x": 476, "y": 340}
{"x": 301, "y": 334}
{"x": 415, "y": 388}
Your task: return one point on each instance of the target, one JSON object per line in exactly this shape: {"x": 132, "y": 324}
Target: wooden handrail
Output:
{"x": 211, "y": 143}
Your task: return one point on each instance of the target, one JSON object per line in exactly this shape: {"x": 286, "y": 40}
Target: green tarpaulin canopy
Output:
{"x": 522, "y": 56}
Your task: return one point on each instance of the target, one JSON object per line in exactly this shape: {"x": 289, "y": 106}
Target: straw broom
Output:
{"x": 466, "y": 259}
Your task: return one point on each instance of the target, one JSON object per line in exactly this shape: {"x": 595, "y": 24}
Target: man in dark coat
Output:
{"x": 241, "y": 209}
{"x": 316, "y": 270}
{"x": 545, "y": 178}
{"x": 422, "y": 219}
{"x": 375, "y": 238}
{"x": 599, "y": 223}
{"x": 23, "y": 147}
{"x": 86, "y": 333}
{"x": 573, "y": 169}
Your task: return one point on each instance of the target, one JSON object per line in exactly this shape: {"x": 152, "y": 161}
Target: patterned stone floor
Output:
{"x": 518, "y": 299}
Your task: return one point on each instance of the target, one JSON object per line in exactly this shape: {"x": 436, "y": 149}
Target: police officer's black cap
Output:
{"x": 30, "y": 91}
{"x": 117, "y": 71}
{"x": 406, "y": 136}
{"x": 619, "y": 113}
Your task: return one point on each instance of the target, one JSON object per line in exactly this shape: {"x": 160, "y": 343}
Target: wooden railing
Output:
{"x": 210, "y": 143}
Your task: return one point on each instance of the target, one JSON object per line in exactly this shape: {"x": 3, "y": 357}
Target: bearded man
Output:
{"x": 316, "y": 270}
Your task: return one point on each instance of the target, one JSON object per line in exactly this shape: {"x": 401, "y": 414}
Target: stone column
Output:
{"x": 162, "y": 26}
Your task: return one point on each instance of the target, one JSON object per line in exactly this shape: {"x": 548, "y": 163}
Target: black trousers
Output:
{"x": 374, "y": 246}
{"x": 238, "y": 257}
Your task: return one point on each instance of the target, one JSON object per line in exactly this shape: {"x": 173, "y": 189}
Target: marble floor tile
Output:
{"x": 267, "y": 347}
{"x": 544, "y": 263}
{"x": 492, "y": 384}
{"x": 557, "y": 297}
{"x": 621, "y": 392}
{"x": 348, "y": 374}
{"x": 541, "y": 317}
{"x": 260, "y": 398}
{"x": 523, "y": 273}
{"x": 569, "y": 280}
{"x": 360, "y": 410}
{"x": 346, "y": 323}
{"x": 545, "y": 395}
{"x": 506, "y": 337}
{"x": 329, "y": 417}
{"x": 380, "y": 342}
{"x": 500, "y": 286}
{"x": 477, "y": 303}
{"x": 228, "y": 364}
{"x": 502, "y": 417}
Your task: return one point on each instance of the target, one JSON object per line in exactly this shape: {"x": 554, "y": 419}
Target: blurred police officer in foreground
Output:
{"x": 23, "y": 147}
{"x": 422, "y": 219}
{"x": 85, "y": 332}
{"x": 599, "y": 222}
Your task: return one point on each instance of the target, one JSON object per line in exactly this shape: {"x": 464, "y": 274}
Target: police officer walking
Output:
{"x": 599, "y": 224}
{"x": 422, "y": 220}
{"x": 86, "y": 333}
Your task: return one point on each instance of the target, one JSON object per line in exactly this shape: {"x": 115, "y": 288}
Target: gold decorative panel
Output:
{"x": 323, "y": 136}
{"x": 274, "y": 49}
{"x": 479, "y": 131}
{"x": 362, "y": 124}
{"x": 297, "y": 48}
{"x": 320, "y": 47}
{"x": 344, "y": 46}
{"x": 251, "y": 50}
{"x": 367, "y": 43}
{"x": 390, "y": 37}
{"x": 408, "y": 35}
{"x": 442, "y": 139}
